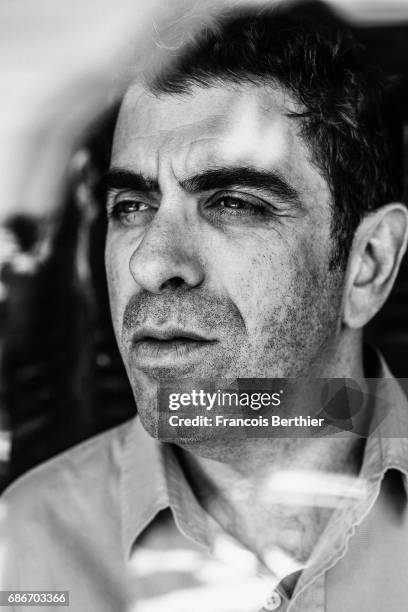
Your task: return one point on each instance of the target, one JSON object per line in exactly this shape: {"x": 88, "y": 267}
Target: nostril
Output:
{"x": 172, "y": 283}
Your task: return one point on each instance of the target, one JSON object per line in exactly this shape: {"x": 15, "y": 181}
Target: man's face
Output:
{"x": 219, "y": 243}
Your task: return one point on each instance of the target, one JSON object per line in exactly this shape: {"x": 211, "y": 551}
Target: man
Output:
{"x": 254, "y": 229}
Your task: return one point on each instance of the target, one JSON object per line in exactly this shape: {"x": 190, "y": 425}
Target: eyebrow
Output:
{"x": 213, "y": 178}
{"x": 227, "y": 177}
{"x": 116, "y": 178}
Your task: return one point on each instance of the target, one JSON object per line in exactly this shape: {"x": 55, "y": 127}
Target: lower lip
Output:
{"x": 156, "y": 353}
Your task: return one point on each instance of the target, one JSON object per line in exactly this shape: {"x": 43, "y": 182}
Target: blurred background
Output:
{"x": 65, "y": 66}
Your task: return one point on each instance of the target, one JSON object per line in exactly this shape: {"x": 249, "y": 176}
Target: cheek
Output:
{"x": 119, "y": 280}
{"x": 269, "y": 278}
{"x": 257, "y": 274}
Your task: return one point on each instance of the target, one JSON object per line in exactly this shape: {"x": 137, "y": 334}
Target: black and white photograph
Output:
{"x": 204, "y": 305}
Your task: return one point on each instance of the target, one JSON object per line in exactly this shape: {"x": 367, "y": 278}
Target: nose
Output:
{"x": 166, "y": 258}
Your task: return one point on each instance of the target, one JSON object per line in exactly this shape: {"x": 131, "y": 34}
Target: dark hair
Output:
{"x": 346, "y": 121}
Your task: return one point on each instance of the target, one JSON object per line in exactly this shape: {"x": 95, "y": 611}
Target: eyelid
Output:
{"x": 115, "y": 212}
{"x": 116, "y": 196}
{"x": 255, "y": 200}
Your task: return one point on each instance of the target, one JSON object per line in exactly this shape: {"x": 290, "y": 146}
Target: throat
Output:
{"x": 246, "y": 496}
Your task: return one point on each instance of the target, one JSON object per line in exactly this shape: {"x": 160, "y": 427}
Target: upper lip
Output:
{"x": 168, "y": 333}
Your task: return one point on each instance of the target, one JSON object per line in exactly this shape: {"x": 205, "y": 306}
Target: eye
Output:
{"x": 237, "y": 206}
{"x": 129, "y": 211}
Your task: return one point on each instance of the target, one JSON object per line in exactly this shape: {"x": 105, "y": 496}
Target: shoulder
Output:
{"x": 79, "y": 472}
{"x": 64, "y": 513}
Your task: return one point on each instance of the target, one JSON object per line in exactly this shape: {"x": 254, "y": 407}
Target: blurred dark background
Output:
{"x": 63, "y": 379}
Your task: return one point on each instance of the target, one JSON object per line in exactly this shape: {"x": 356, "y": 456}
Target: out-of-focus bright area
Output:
{"x": 64, "y": 66}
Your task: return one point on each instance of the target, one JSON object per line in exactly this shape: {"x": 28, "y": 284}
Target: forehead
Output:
{"x": 211, "y": 126}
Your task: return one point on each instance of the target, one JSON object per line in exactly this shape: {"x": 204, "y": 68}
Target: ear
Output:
{"x": 378, "y": 247}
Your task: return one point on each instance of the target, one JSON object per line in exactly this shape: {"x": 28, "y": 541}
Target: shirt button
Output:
{"x": 273, "y": 602}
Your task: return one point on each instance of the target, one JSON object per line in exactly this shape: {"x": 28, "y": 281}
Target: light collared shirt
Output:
{"x": 115, "y": 522}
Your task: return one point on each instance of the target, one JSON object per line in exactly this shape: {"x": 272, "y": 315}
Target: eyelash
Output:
{"x": 115, "y": 209}
{"x": 250, "y": 208}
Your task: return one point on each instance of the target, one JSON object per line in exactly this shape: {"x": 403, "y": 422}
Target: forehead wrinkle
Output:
{"x": 147, "y": 119}
{"x": 162, "y": 142}
{"x": 182, "y": 164}
{"x": 163, "y": 117}
{"x": 216, "y": 101}
{"x": 201, "y": 155}
{"x": 196, "y": 155}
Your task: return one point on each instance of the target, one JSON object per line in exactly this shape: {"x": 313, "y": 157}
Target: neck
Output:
{"x": 244, "y": 494}
{"x": 239, "y": 483}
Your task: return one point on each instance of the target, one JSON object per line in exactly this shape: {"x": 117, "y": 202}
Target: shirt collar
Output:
{"x": 143, "y": 485}
{"x": 387, "y": 446}
{"x": 152, "y": 480}
{"x": 386, "y": 449}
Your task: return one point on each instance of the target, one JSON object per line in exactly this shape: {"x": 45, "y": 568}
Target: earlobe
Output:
{"x": 378, "y": 247}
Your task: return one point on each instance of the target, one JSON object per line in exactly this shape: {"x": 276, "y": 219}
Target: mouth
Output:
{"x": 168, "y": 347}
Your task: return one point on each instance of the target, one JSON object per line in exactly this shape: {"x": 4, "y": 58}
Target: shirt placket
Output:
{"x": 275, "y": 602}
{"x": 312, "y": 599}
